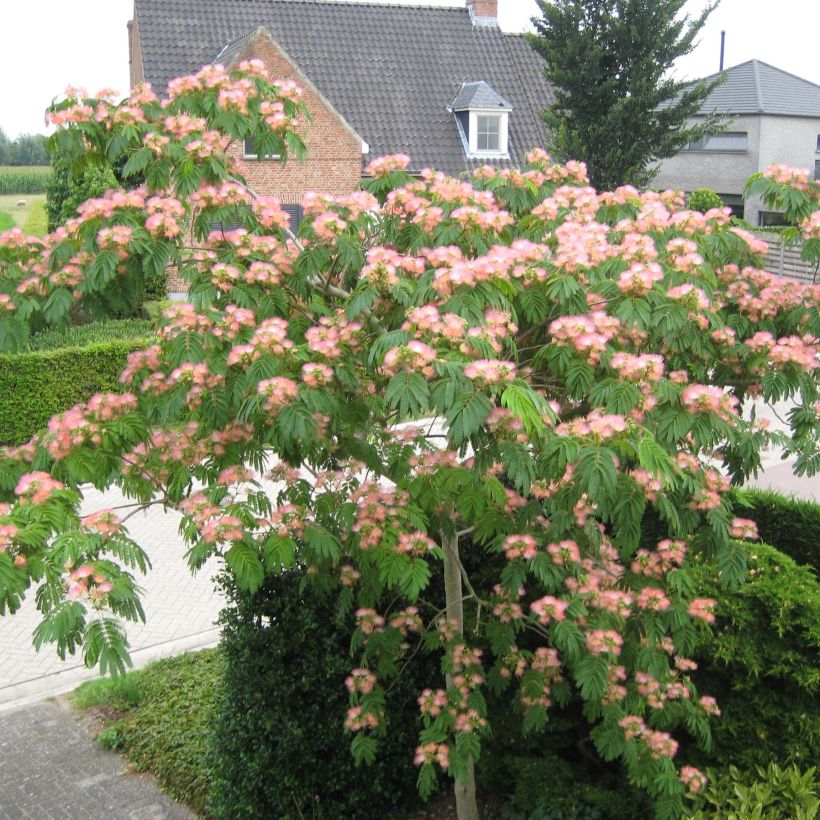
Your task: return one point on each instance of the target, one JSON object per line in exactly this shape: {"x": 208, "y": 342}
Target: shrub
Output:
{"x": 280, "y": 748}
{"x": 36, "y": 385}
{"x": 93, "y": 333}
{"x": 769, "y": 794}
{"x": 703, "y": 200}
{"x": 789, "y": 524}
{"x": 762, "y": 663}
{"x": 66, "y": 190}
{"x": 24, "y": 179}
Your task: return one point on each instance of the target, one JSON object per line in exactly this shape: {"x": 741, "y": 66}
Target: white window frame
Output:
{"x": 702, "y": 145}
{"x": 503, "y": 133}
{"x": 246, "y": 155}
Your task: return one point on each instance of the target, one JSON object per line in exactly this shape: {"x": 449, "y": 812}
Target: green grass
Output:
{"x": 160, "y": 718}
{"x": 81, "y": 335}
{"x": 31, "y": 218}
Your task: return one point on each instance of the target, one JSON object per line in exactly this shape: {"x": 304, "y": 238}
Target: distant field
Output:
{"x": 23, "y": 179}
{"x": 31, "y": 218}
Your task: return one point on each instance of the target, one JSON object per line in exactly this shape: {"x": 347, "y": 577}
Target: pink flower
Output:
{"x": 703, "y": 609}
{"x": 692, "y": 778}
{"x": 36, "y": 487}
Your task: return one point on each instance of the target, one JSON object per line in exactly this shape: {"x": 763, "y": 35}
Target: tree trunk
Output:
{"x": 466, "y": 805}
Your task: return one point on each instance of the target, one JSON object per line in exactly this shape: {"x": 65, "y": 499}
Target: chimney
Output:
{"x": 483, "y": 12}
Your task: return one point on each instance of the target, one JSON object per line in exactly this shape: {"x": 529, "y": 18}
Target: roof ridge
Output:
{"x": 787, "y": 73}
{"x": 758, "y": 87}
{"x": 380, "y": 3}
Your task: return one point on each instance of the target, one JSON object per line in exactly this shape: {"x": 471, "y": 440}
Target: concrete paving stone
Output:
{"x": 68, "y": 774}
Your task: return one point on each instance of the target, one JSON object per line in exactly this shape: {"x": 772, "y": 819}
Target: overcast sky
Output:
{"x": 48, "y": 44}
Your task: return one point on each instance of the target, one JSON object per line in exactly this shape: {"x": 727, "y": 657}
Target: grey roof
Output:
{"x": 392, "y": 72}
{"x": 755, "y": 87}
{"x": 479, "y": 95}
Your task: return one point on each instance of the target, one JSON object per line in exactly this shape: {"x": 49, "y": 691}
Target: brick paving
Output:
{"x": 51, "y": 768}
{"x": 180, "y": 611}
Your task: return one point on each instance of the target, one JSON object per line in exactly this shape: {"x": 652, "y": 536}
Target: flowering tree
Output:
{"x": 513, "y": 359}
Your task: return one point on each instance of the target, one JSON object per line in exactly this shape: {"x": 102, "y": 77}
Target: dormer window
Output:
{"x": 482, "y": 117}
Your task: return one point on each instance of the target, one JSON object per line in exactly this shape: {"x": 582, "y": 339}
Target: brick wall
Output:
{"x": 334, "y": 153}
{"x": 135, "y": 53}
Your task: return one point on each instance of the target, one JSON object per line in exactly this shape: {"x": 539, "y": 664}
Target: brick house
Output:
{"x": 443, "y": 85}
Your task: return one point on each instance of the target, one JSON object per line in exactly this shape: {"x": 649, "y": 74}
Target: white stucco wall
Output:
{"x": 786, "y": 140}
{"x": 723, "y": 171}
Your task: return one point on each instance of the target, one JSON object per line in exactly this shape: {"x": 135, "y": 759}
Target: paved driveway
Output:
{"x": 180, "y": 611}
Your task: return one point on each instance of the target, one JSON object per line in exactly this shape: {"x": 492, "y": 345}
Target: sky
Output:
{"x": 46, "y": 45}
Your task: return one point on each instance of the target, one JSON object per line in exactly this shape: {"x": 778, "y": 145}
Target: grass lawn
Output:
{"x": 31, "y": 218}
{"x": 159, "y": 717}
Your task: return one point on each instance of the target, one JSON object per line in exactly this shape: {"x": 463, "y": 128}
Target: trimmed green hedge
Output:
{"x": 117, "y": 330}
{"x": 762, "y": 663}
{"x": 36, "y": 385}
{"x": 791, "y": 525}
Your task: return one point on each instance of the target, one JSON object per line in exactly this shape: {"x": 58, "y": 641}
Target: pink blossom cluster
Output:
{"x": 36, "y": 487}
{"x": 604, "y": 642}
{"x": 360, "y": 681}
{"x": 376, "y": 508}
{"x": 414, "y": 357}
{"x": 277, "y": 392}
{"x": 85, "y": 580}
{"x": 491, "y": 371}
{"x": 637, "y": 368}
{"x": 520, "y": 547}
{"x": 549, "y": 609}
{"x": 667, "y": 555}
{"x": 659, "y": 744}
{"x": 692, "y": 778}
{"x": 103, "y": 522}
{"x": 587, "y": 334}
{"x": 430, "y": 753}
{"x": 702, "y": 398}
{"x": 369, "y": 621}
{"x": 383, "y": 166}
{"x": 703, "y": 609}
{"x": 597, "y": 424}
{"x": 744, "y": 528}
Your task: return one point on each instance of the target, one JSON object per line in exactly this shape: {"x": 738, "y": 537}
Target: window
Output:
{"x": 251, "y": 152}
{"x": 488, "y": 132}
{"x": 771, "y": 219}
{"x": 818, "y": 144}
{"x": 728, "y": 141}
{"x": 817, "y": 169}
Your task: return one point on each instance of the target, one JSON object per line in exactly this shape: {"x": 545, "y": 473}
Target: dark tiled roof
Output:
{"x": 755, "y": 87}
{"x": 391, "y": 71}
{"x": 479, "y": 95}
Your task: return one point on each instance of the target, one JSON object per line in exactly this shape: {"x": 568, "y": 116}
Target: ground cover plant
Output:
{"x": 29, "y": 217}
{"x": 161, "y": 719}
{"x": 433, "y": 372}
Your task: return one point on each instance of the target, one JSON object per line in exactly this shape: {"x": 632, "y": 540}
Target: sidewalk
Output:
{"x": 50, "y": 767}
{"x": 180, "y": 611}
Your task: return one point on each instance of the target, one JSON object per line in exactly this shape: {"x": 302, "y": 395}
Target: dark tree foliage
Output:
{"x": 27, "y": 149}
{"x": 616, "y": 107}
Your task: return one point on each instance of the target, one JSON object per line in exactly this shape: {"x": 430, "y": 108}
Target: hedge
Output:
{"x": 36, "y": 385}
{"x": 280, "y": 750}
{"x": 762, "y": 663}
{"x": 83, "y": 335}
{"x": 791, "y": 525}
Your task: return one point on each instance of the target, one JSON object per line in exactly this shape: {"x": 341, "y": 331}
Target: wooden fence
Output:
{"x": 783, "y": 259}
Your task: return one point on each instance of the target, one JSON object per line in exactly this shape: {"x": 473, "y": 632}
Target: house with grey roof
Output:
{"x": 446, "y": 86}
{"x": 776, "y": 119}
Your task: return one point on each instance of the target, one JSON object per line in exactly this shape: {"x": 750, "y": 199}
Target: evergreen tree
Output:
{"x": 616, "y": 106}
